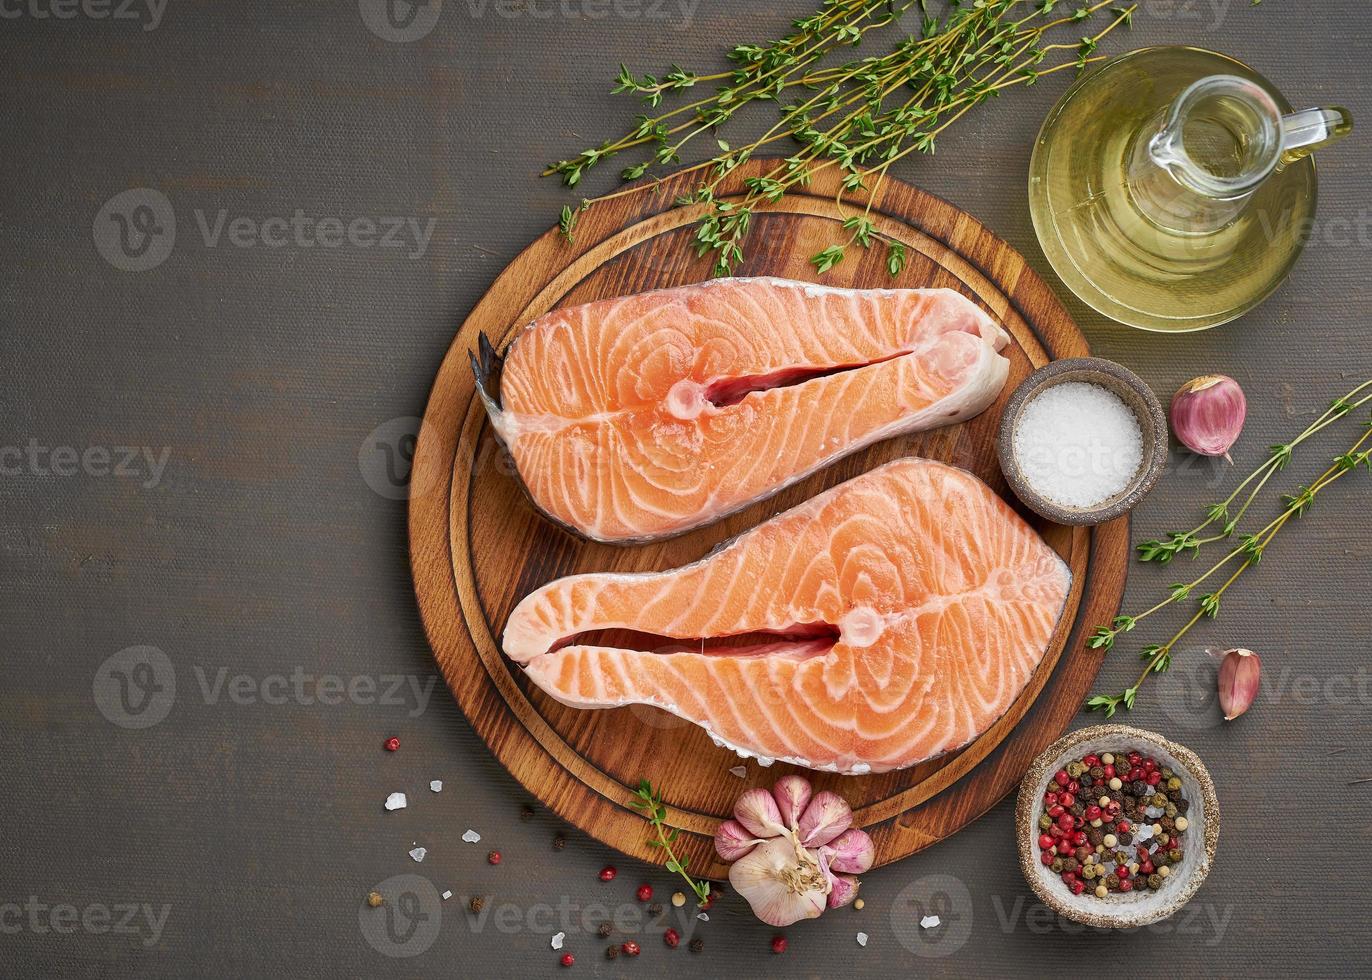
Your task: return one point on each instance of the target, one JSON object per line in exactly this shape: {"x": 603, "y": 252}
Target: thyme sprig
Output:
{"x": 861, "y": 116}
{"x": 1190, "y": 542}
{"x": 649, "y": 801}
{"x": 1158, "y": 657}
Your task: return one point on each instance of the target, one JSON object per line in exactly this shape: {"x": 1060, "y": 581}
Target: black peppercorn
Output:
{"x": 655, "y": 909}
{"x": 1139, "y": 787}
{"x": 611, "y": 952}
{"x": 697, "y": 944}
{"x": 559, "y": 842}
{"x": 1070, "y": 864}
{"x": 1155, "y": 881}
{"x": 527, "y": 813}
{"x": 477, "y": 904}
{"x": 604, "y": 931}
{"x": 1125, "y": 838}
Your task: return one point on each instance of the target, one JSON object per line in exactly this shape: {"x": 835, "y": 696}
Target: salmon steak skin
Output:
{"x": 638, "y": 418}
{"x": 881, "y": 623}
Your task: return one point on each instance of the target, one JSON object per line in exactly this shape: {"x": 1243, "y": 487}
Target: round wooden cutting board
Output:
{"x": 477, "y": 546}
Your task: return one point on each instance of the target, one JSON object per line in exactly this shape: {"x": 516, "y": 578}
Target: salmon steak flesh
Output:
{"x": 886, "y": 621}
{"x": 637, "y": 418}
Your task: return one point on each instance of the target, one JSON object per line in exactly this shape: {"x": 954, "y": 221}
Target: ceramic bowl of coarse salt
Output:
{"x": 1082, "y": 441}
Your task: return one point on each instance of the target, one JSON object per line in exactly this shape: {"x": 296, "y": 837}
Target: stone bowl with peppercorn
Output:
{"x": 1117, "y": 826}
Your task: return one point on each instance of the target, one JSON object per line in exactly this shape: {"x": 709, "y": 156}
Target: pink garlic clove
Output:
{"x": 757, "y": 810}
{"x": 843, "y": 889}
{"x": 1207, "y": 414}
{"x": 733, "y": 840}
{"x": 792, "y": 795}
{"x": 1240, "y": 676}
{"x": 827, "y": 816}
{"x": 851, "y": 851}
{"x": 782, "y": 883}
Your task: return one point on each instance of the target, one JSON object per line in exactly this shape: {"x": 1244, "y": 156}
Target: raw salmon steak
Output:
{"x": 884, "y": 622}
{"x": 641, "y": 417}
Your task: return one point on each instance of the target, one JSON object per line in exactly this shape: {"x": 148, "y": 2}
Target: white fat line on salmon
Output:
{"x": 859, "y": 627}
{"x": 688, "y": 398}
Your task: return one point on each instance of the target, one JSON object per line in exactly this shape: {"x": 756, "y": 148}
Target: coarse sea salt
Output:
{"x": 396, "y": 801}
{"x": 471, "y": 836}
{"x": 1078, "y": 443}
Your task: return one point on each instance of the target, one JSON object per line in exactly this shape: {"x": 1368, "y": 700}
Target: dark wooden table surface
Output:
{"x": 195, "y": 439}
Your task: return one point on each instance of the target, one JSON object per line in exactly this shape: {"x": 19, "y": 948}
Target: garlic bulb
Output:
{"x": 1240, "y": 674}
{"x": 1207, "y": 414}
{"x": 782, "y": 882}
{"x": 793, "y": 851}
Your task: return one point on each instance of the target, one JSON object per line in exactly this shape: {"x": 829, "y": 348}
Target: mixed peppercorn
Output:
{"x": 1113, "y": 822}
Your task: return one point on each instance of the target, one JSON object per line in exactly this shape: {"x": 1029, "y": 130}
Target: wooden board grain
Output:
{"x": 477, "y": 546}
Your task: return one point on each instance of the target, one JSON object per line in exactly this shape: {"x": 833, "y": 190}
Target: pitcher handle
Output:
{"x": 1313, "y": 129}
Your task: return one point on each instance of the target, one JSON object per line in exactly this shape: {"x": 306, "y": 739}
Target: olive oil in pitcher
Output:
{"x": 1172, "y": 188}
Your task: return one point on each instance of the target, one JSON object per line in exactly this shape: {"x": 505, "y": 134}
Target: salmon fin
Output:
{"x": 486, "y": 370}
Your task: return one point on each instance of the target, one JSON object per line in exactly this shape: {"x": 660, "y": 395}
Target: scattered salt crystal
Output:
{"x": 1078, "y": 443}
{"x": 702, "y": 917}
{"x": 929, "y": 922}
{"x": 739, "y": 771}
{"x": 557, "y": 940}
{"x": 447, "y": 895}
{"x": 471, "y": 836}
{"x": 436, "y": 785}
{"x": 1154, "y": 811}
{"x": 418, "y": 853}
{"x": 862, "y": 939}
{"x": 1144, "y": 833}
{"x": 396, "y": 801}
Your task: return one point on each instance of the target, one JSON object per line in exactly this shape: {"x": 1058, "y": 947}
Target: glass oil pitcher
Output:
{"x": 1172, "y": 189}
